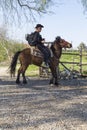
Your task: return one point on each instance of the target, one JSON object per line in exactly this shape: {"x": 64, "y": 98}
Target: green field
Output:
{"x": 74, "y": 58}
{"x": 32, "y": 70}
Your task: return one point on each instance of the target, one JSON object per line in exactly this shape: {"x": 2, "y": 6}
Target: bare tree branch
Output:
{"x": 14, "y": 10}
{"x": 84, "y": 3}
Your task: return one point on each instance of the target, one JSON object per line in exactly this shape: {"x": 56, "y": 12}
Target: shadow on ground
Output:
{"x": 40, "y": 106}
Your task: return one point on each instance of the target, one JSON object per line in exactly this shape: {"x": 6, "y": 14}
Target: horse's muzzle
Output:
{"x": 69, "y": 45}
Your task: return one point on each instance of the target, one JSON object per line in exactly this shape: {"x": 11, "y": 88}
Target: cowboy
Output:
{"x": 39, "y": 42}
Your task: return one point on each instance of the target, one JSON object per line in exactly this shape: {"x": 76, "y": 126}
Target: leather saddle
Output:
{"x": 36, "y": 52}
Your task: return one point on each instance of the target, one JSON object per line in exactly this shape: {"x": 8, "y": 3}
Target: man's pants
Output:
{"x": 45, "y": 51}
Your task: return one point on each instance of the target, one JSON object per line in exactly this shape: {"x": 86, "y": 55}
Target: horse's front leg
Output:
{"x": 54, "y": 79}
{"x": 51, "y": 81}
{"x": 56, "y": 76}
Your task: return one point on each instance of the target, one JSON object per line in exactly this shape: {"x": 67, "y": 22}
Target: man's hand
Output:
{"x": 43, "y": 41}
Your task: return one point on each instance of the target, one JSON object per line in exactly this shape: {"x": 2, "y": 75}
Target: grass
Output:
{"x": 32, "y": 71}
{"x": 74, "y": 58}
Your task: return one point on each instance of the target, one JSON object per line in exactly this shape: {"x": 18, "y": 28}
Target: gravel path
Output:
{"x": 37, "y": 106}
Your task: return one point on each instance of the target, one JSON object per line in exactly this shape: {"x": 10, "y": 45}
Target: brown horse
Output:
{"x": 26, "y": 58}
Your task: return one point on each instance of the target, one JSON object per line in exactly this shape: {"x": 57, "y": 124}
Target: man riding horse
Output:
{"x": 38, "y": 41}
{"x": 26, "y": 58}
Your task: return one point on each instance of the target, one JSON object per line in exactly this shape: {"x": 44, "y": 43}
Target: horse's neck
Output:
{"x": 57, "y": 53}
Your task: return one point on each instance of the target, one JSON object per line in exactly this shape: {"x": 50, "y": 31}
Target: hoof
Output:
{"x": 18, "y": 82}
{"x": 51, "y": 85}
{"x": 56, "y": 84}
{"x": 24, "y": 82}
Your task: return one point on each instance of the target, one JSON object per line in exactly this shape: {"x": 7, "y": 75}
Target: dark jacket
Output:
{"x": 37, "y": 38}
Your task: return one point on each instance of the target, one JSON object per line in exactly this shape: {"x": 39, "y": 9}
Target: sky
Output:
{"x": 67, "y": 21}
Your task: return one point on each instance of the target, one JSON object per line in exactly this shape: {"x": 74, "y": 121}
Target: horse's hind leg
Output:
{"x": 21, "y": 70}
{"x": 23, "y": 74}
{"x": 18, "y": 75}
{"x": 24, "y": 78}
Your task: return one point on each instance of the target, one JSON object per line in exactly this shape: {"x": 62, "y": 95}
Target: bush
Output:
{"x": 9, "y": 48}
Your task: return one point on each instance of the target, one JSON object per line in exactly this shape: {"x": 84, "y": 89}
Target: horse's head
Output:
{"x": 62, "y": 43}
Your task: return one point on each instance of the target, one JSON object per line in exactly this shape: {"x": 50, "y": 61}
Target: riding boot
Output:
{"x": 45, "y": 65}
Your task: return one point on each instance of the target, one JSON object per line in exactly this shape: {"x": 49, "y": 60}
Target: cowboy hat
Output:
{"x": 39, "y": 25}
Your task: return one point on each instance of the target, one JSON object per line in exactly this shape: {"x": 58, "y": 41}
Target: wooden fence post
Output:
{"x": 80, "y": 69}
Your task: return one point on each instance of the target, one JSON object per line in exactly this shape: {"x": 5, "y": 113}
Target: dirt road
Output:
{"x": 37, "y": 106}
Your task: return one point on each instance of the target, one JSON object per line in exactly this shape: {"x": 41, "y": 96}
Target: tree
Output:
{"x": 3, "y": 41}
{"x": 84, "y": 3}
{"x": 21, "y": 9}
{"x": 82, "y": 46}
{"x": 8, "y": 47}
{"x": 18, "y": 10}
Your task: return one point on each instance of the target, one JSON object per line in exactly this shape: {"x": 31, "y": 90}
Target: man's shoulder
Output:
{"x": 37, "y": 33}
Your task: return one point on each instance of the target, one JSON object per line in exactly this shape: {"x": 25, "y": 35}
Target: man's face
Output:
{"x": 39, "y": 29}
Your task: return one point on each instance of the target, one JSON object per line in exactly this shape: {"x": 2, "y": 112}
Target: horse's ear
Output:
{"x": 58, "y": 38}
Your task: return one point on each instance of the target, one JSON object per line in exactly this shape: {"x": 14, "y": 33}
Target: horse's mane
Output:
{"x": 56, "y": 41}
{"x": 52, "y": 48}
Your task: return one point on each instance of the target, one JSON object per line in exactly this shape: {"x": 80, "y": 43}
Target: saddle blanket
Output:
{"x": 38, "y": 53}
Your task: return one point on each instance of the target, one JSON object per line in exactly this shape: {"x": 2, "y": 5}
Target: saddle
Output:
{"x": 36, "y": 52}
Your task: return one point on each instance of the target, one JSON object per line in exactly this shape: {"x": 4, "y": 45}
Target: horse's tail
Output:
{"x": 14, "y": 63}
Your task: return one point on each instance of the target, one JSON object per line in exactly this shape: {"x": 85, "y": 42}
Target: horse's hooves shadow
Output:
{"x": 55, "y": 85}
